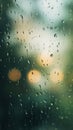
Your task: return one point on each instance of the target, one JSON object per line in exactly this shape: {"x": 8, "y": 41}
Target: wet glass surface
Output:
{"x": 36, "y": 67}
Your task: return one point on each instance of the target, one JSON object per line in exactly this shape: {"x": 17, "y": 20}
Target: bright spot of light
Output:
{"x": 34, "y": 76}
{"x": 14, "y": 75}
{"x": 56, "y": 75}
{"x": 45, "y": 59}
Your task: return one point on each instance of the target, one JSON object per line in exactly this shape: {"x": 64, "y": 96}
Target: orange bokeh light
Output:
{"x": 14, "y": 75}
{"x": 34, "y": 76}
{"x": 56, "y": 76}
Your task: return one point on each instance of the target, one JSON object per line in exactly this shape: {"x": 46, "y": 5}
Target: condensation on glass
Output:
{"x": 36, "y": 69}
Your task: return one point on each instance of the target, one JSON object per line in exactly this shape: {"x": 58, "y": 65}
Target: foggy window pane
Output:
{"x": 36, "y": 69}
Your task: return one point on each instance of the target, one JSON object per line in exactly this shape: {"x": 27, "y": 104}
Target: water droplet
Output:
{"x": 28, "y": 62}
{"x": 44, "y": 101}
{"x": 51, "y": 104}
{"x": 7, "y": 54}
{"x": 21, "y": 104}
{"x": 0, "y": 60}
{"x": 26, "y": 113}
{"x": 11, "y": 104}
{"x": 19, "y": 95}
{"x": 51, "y": 55}
{"x": 42, "y": 112}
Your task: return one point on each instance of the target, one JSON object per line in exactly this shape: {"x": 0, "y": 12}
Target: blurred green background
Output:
{"x": 36, "y": 69}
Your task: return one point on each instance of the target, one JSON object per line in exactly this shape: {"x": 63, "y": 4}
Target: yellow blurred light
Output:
{"x": 45, "y": 59}
{"x": 14, "y": 75}
{"x": 34, "y": 76}
{"x": 56, "y": 76}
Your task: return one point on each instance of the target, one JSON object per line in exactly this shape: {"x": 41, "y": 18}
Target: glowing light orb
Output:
{"x": 14, "y": 75}
{"x": 45, "y": 60}
{"x": 56, "y": 76}
{"x": 34, "y": 76}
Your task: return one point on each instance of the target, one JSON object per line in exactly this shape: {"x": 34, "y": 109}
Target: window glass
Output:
{"x": 36, "y": 69}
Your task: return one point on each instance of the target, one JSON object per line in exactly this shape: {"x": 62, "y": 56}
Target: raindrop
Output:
{"x": 51, "y": 104}
{"x": 28, "y": 62}
{"x": 11, "y": 104}
{"x": 19, "y": 95}
{"x": 43, "y": 28}
{"x": 28, "y": 98}
{"x": 42, "y": 112}
{"x": 40, "y": 86}
{"x": 8, "y": 37}
{"x": 26, "y": 113}
{"x": 63, "y": 21}
{"x": 7, "y": 43}
{"x": 20, "y": 100}
{"x": 21, "y": 104}
{"x": 21, "y": 17}
{"x": 51, "y": 55}
{"x": 0, "y": 60}
{"x": 7, "y": 54}
{"x": 10, "y": 95}
{"x": 55, "y": 35}
{"x": 44, "y": 101}
{"x": 61, "y": 117}
{"x": 57, "y": 108}
{"x": 49, "y": 108}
